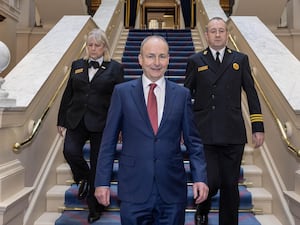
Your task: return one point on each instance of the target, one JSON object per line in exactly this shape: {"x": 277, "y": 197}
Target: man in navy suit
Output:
{"x": 216, "y": 77}
{"x": 152, "y": 180}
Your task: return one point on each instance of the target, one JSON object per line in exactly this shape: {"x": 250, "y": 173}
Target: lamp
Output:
{"x": 4, "y": 62}
{"x": 4, "y": 56}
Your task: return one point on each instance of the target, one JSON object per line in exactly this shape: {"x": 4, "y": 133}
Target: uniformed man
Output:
{"x": 216, "y": 77}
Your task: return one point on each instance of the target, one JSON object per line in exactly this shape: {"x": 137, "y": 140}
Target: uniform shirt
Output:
{"x": 222, "y": 51}
{"x": 92, "y": 70}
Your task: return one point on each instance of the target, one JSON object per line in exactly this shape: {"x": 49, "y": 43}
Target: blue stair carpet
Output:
{"x": 71, "y": 200}
{"x": 113, "y": 218}
{"x": 111, "y": 215}
{"x": 181, "y": 46}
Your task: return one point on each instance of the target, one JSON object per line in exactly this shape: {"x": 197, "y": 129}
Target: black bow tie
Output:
{"x": 94, "y": 64}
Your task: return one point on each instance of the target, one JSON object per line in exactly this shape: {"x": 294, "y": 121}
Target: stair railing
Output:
{"x": 18, "y": 145}
{"x": 282, "y": 128}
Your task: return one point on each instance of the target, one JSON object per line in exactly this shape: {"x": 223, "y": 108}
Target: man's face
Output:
{"x": 216, "y": 34}
{"x": 154, "y": 58}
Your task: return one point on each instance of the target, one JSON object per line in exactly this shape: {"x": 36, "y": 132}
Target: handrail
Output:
{"x": 281, "y": 127}
{"x": 18, "y": 145}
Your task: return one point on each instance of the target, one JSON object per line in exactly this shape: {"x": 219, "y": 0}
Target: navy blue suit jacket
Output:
{"x": 145, "y": 157}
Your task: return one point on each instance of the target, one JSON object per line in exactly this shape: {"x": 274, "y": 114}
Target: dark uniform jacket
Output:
{"x": 217, "y": 96}
{"x": 88, "y": 100}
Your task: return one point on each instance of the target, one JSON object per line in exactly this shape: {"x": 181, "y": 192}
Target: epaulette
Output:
{"x": 229, "y": 50}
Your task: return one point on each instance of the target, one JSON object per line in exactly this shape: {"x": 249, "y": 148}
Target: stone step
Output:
{"x": 248, "y": 155}
{"x": 56, "y": 197}
{"x": 261, "y": 199}
{"x": 252, "y": 175}
{"x": 268, "y": 220}
{"x": 47, "y": 218}
{"x": 64, "y": 174}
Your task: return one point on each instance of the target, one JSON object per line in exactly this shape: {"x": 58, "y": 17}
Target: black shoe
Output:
{"x": 83, "y": 189}
{"x": 201, "y": 219}
{"x": 93, "y": 216}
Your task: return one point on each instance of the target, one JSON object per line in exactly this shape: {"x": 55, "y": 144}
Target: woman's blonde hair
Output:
{"x": 100, "y": 38}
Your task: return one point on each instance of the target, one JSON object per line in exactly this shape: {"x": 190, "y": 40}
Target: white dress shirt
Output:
{"x": 221, "y": 51}
{"x": 159, "y": 91}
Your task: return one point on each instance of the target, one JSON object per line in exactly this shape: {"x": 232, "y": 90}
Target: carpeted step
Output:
{"x": 134, "y": 59}
{"x": 113, "y": 218}
{"x": 71, "y": 200}
{"x": 173, "y": 53}
{"x": 181, "y": 46}
{"x": 187, "y": 47}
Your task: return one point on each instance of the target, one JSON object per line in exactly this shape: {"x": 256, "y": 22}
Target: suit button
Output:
{"x": 213, "y": 107}
{"x": 213, "y": 96}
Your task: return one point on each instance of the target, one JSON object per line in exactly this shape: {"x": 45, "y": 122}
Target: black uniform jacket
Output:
{"x": 89, "y": 100}
{"x": 216, "y": 91}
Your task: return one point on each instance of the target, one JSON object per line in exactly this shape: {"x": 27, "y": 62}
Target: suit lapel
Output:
{"x": 209, "y": 60}
{"x": 219, "y": 71}
{"x": 170, "y": 97}
{"x": 227, "y": 61}
{"x": 102, "y": 68}
{"x": 137, "y": 94}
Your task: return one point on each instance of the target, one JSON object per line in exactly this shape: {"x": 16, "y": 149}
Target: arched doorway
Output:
{"x": 160, "y": 14}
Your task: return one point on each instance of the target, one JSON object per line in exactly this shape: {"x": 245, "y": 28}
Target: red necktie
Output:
{"x": 152, "y": 107}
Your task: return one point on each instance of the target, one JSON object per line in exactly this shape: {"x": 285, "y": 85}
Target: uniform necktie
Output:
{"x": 94, "y": 64}
{"x": 218, "y": 58}
{"x": 152, "y": 107}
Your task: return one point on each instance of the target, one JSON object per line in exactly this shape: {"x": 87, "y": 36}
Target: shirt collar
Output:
{"x": 213, "y": 51}
{"x": 99, "y": 60}
{"x": 160, "y": 83}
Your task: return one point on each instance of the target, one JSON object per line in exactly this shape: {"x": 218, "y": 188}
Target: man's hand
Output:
{"x": 103, "y": 195}
{"x": 258, "y": 139}
{"x": 200, "y": 191}
{"x": 61, "y": 130}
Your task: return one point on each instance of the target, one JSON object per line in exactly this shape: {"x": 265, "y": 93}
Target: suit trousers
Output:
{"x": 152, "y": 212}
{"x": 223, "y": 171}
{"x": 73, "y": 152}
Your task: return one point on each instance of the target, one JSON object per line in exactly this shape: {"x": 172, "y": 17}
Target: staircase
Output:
{"x": 61, "y": 199}
{"x": 64, "y": 209}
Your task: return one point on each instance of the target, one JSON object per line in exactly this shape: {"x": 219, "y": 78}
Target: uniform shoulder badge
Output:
{"x": 229, "y": 50}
